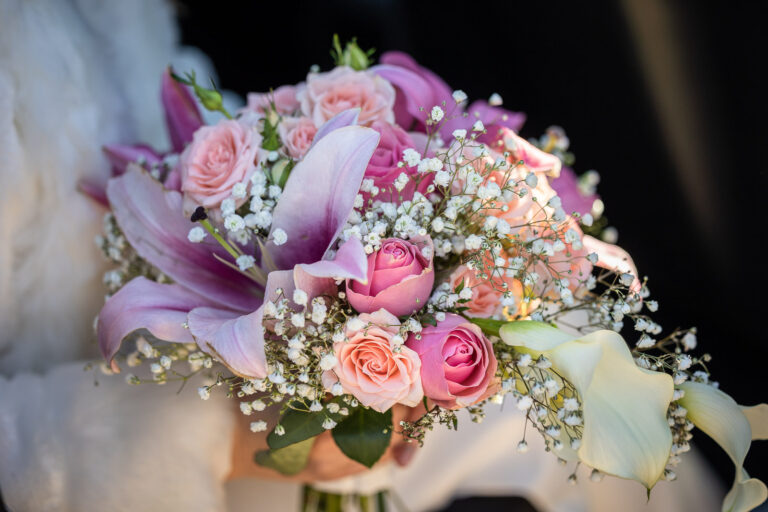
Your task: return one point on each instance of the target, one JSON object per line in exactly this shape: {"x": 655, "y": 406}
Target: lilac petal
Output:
{"x": 319, "y": 195}
{"x": 238, "y": 340}
{"x": 143, "y": 304}
{"x": 95, "y": 188}
{"x": 340, "y": 120}
{"x": 494, "y": 116}
{"x": 153, "y": 222}
{"x": 120, "y": 156}
{"x": 416, "y": 90}
{"x": 319, "y": 278}
{"x": 182, "y": 116}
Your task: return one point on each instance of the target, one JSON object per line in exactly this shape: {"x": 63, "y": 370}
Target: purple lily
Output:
{"x": 221, "y": 307}
{"x": 420, "y": 88}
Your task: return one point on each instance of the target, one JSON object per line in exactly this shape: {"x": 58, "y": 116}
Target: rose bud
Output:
{"x": 458, "y": 367}
{"x": 400, "y": 278}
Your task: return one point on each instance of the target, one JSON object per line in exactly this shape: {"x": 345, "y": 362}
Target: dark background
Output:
{"x": 665, "y": 99}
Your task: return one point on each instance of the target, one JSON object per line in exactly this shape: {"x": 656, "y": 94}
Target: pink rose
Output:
{"x": 400, "y": 278}
{"x": 218, "y": 157}
{"x": 327, "y": 94}
{"x": 457, "y": 362}
{"x": 297, "y": 134}
{"x": 383, "y": 169}
{"x": 369, "y": 369}
{"x": 284, "y": 98}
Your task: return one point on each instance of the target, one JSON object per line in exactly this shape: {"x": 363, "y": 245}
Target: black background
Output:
{"x": 575, "y": 64}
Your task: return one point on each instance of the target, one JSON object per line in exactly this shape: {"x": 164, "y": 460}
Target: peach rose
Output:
{"x": 218, "y": 157}
{"x": 369, "y": 369}
{"x": 297, "y": 134}
{"x": 327, "y": 94}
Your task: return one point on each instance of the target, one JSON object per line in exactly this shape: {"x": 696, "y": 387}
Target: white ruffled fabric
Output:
{"x": 76, "y": 74}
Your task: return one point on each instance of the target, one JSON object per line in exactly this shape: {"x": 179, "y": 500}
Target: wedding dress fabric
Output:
{"x": 76, "y": 74}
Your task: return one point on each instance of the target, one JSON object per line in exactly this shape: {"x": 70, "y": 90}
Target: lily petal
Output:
{"x": 120, "y": 156}
{"x": 181, "y": 113}
{"x": 143, "y": 304}
{"x": 720, "y": 417}
{"x": 625, "y": 407}
{"x": 319, "y": 195}
{"x": 237, "y": 340}
{"x": 340, "y": 120}
{"x": 415, "y": 90}
{"x": 152, "y": 220}
{"x": 612, "y": 257}
{"x": 319, "y": 278}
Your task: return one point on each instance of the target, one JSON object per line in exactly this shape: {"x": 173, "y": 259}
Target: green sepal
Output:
{"x": 364, "y": 436}
{"x": 289, "y": 460}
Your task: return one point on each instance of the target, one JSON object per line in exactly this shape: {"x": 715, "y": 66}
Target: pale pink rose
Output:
{"x": 218, "y": 157}
{"x": 458, "y": 367}
{"x": 400, "y": 278}
{"x": 369, "y": 369}
{"x": 327, "y": 94}
{"x": 284, "y": 98}
{"x": 297, "y": 134}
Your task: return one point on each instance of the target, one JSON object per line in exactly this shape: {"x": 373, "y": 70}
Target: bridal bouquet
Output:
{"x": 364, "y": 239}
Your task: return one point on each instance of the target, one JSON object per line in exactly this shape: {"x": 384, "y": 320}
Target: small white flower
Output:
{"x": 626, "y": 279}
{"x": 532, "y": 180}
{"x": 459, "y": 134}
{"x": 239, "y": 190}
{"x": 328, "y": 362}
{"x": 316, "y": 406}
{"x": 279, "y": 236}
{"x": 234, "y": 222}
{"x": 246, "y": 408}
{"x": 196, "y": 235}
{"x": 258, "y": 405}
{"x": 333, "y": 407}
{"x": 437, "y": 114}
{"x": 328, "y": 424}
{"x": 478, "y": 126}
{"x": 587, "y": 219}
{"x": 300, "y": 297}
{"x": 522, "y": 446}
{"x": 337, "y": 389}
{"x": 495, "y": 100}
{"x": 204, "y": 393}
{"x": 459, "y": 96}
{"x": 258, "y": 426}
{"x": 524, "y": 403}
{"x": 473, "y": 242}
{"x": 297, "y": 319}
{"x": 228, "y": 206}
{"x": 245, "y": 261}
{"x": 411, "y": 157}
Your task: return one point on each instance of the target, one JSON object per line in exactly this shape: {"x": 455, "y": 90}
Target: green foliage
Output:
{"x": 489, "y": 326}
{"x": 364, "y": 436}
{"x": 300, "y": 425}
{"x": 288, "y": 460}
{"x": 352, "y": 55}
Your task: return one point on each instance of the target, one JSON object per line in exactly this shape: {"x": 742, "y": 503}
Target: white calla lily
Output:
{"x": 733, "y": 428}
{"x": 626, "y": 433}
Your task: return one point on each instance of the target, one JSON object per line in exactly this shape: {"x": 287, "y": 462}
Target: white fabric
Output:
{"x": 75, "y": 74}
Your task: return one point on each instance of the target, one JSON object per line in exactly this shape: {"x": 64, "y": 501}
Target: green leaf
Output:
{"x": 300, "y": 425}
{"x": 489, "y": 326}
{"x": 364, "y": 436}
{"x": 289, "y": 460}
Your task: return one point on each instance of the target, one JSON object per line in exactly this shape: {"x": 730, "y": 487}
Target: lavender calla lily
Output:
{"x": 220, "y": 306}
